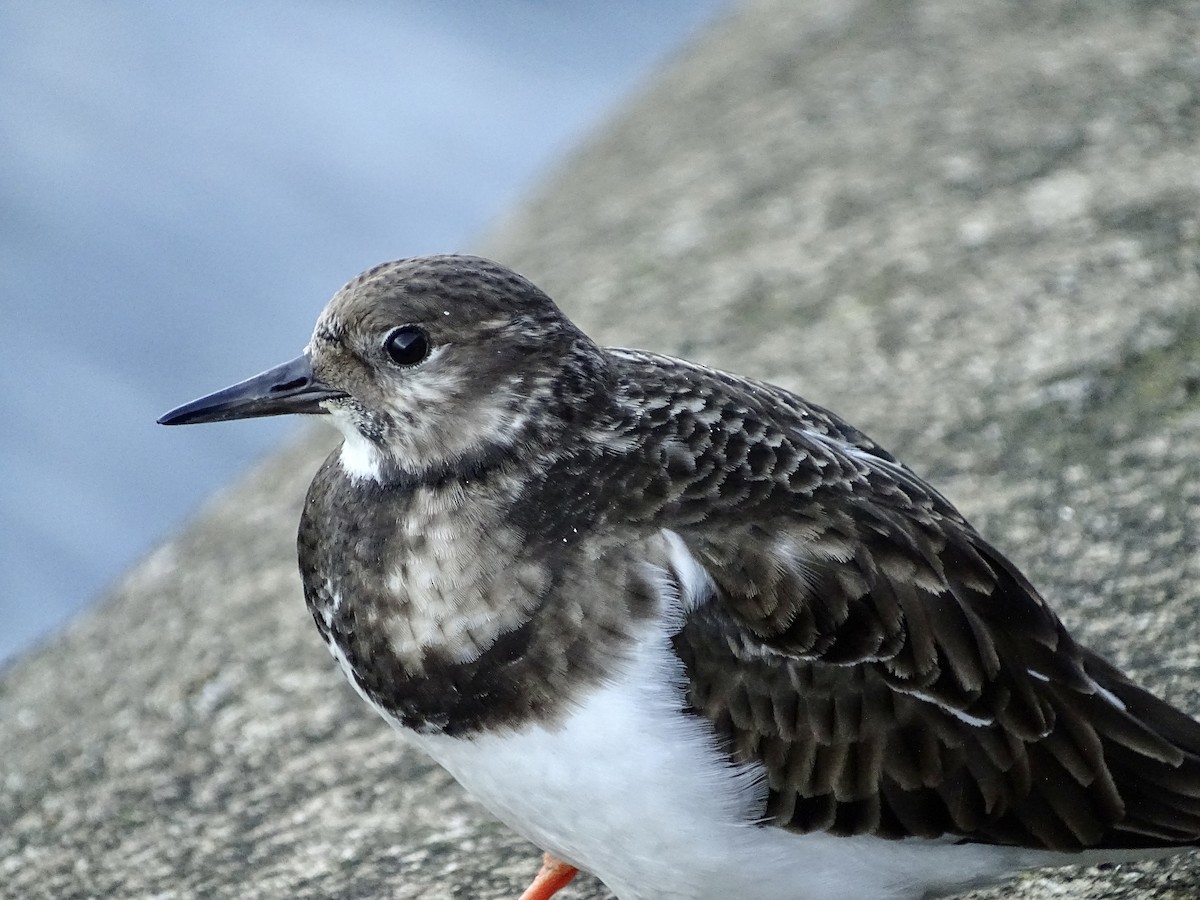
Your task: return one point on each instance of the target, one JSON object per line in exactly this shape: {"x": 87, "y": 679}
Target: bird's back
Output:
{"x": 893, "y": 673}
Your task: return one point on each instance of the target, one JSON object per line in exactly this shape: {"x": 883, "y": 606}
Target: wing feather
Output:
{"x": 891, "y": 672}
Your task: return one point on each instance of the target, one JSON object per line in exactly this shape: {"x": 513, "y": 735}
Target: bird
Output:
{"x": 685, "y": 630}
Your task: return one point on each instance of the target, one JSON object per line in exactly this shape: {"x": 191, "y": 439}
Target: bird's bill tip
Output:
{"x": 288, "y": 388}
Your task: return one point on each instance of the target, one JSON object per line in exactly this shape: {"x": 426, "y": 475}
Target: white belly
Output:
{"x": 634, "y": 791}
{"x": 627, "y": 788}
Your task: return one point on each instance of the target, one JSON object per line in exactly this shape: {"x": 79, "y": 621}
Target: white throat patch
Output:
{"x": 359, "y": 458}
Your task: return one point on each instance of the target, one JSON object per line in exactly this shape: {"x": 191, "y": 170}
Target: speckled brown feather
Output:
{"x": 893, "y": 673}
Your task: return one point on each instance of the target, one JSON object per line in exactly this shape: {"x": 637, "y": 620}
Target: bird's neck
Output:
{"x": 383, "y": 548}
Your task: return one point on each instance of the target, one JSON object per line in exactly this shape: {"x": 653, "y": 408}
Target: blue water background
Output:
{"x": 182, "y": 186}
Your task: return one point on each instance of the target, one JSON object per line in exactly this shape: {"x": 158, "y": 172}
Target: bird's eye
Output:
{"x": 407, "y": 345}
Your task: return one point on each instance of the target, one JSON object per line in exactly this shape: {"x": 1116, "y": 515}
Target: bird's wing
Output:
{"x": 893, "y": 673}
{"x": 927, "y": 699}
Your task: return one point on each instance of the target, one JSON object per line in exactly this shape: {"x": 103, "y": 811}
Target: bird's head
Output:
{"x": 425, "y": 364}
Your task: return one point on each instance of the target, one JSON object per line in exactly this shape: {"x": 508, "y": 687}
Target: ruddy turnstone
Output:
{"x": 686, "y": 630}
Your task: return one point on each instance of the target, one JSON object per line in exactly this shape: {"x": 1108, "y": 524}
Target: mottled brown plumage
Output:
{"x": 850, "y": 595}
{"x": 892, "y": 671}
{"x": 495, "y": 531}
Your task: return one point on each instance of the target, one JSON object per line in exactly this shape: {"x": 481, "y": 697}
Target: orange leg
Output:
{"x": 554, "y": 876}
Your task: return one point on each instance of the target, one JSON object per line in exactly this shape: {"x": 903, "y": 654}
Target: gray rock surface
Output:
{"x": 970, "y": 227}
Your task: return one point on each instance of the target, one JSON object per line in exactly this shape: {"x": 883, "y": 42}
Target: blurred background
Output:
{"x": 183, "y": 186}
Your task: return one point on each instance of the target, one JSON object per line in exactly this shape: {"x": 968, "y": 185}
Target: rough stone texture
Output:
{"x": 970, "y": 227}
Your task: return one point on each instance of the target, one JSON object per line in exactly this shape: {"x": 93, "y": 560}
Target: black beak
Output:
{"x": 289, "y": 388}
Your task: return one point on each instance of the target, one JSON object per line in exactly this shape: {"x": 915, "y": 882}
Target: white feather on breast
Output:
{"x": 628, "y": 787}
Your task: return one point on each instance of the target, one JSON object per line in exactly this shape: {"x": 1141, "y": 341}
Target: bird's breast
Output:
{"x": 432, "y": 605}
